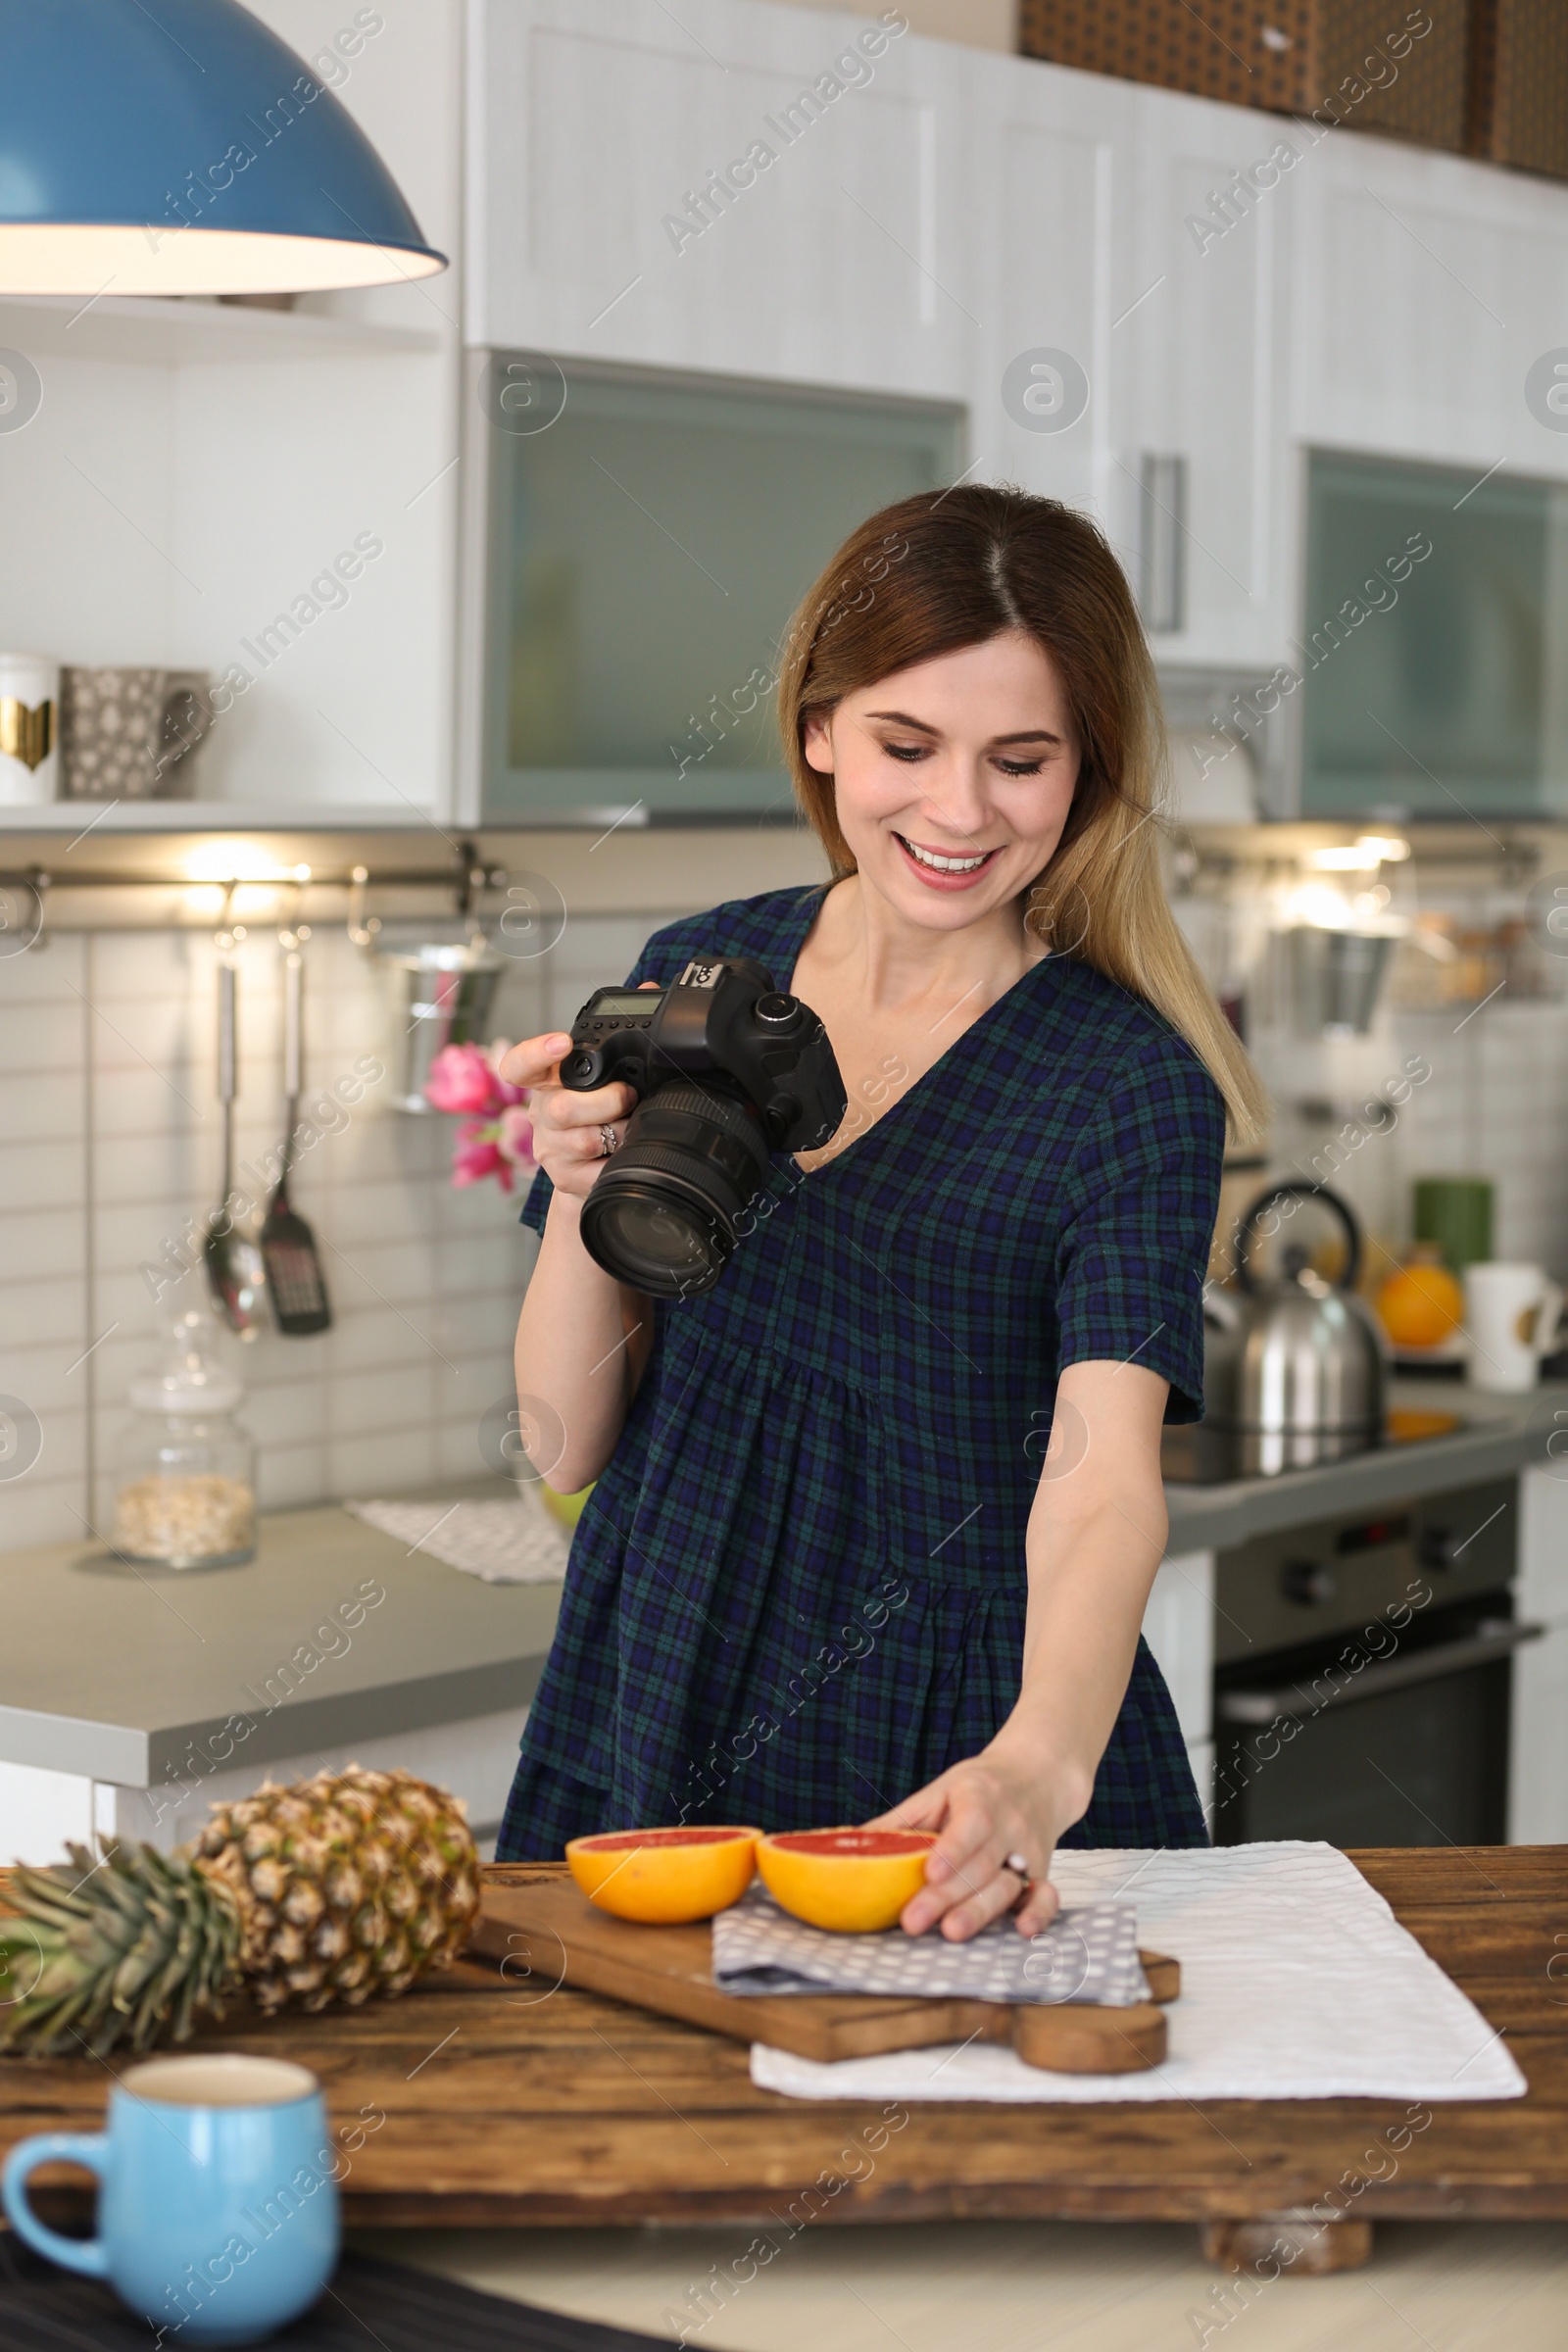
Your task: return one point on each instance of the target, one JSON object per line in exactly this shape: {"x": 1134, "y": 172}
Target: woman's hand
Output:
{"x": 566, "y": 1139}
{"x": 1097, "y": 1532}
{"x": 1005, "y": 1801}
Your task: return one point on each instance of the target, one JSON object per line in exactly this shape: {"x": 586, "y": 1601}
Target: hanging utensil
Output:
{"x": 234, "y": 1272}
{"x": 295, "y": 1282}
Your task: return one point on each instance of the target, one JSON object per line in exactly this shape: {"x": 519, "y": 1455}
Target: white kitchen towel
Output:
{"x": 504, "y": 1541}
{"x": 1298, "y": 1982}
{"x": 1089, "y": 1953}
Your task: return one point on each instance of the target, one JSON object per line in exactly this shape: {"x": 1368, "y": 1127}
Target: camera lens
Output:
{"x": 664, "y": 1214}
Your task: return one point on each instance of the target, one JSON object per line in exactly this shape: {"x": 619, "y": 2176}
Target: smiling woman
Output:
{"x": 1006, "y": 1240}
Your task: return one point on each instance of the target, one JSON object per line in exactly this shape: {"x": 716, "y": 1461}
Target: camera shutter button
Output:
{"x": 778, "y": 1011}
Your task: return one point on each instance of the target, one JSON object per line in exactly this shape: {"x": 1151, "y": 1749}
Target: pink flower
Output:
{"x": 494, "y": 1054}
{"x": 477, "y": 1158}
{"x": 461, "y": 1080}
{"x": 515, "y": 1136}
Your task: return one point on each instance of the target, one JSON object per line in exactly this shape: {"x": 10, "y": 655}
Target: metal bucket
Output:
{"x": 1336, "y": 977}
{"x": 446, "y": 993}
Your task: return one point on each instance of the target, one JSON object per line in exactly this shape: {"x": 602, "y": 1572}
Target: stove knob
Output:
{"x": 1438, "y": 1547}
{"x": 1307, "y": 1583}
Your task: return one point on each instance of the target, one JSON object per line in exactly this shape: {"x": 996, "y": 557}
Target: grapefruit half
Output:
{"x": 856, "y": 1881}
{"x": 665, "y": 1877}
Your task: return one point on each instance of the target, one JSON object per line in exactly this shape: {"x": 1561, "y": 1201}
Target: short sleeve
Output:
{"x": 536, "y": 1208}
{"x": 1144, "y": 1196}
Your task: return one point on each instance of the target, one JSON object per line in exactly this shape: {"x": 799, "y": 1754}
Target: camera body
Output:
{"x": 727, "y": 1069}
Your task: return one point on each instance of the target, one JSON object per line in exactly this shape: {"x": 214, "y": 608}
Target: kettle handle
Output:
{"x": 1299, "y": 1190}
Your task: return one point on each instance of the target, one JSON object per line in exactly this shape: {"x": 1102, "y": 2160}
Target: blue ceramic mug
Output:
{"x": 218, "y": 2206}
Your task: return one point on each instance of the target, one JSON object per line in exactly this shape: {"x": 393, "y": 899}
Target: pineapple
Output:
{"x": 350, "y": 1883}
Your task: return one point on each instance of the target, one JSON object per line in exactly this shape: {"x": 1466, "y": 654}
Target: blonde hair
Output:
{"x": 953, "y": 569}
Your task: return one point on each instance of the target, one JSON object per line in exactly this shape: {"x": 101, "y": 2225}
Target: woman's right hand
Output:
{"x": 566, "y": 1139}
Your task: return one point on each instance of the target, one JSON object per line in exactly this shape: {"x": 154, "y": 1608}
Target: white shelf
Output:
{"x": 69, "y": 818}
{"x": 163, "y": 331}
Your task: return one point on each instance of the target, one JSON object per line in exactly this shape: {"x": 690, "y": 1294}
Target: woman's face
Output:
{"x": 953, "y": 778}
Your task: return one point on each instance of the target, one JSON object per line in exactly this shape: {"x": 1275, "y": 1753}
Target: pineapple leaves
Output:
{"x": 116, "y": 1946}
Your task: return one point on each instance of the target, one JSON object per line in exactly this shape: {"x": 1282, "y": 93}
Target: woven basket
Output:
{"x": 1287, "y": 56}
{"x": 1520, "y": 84}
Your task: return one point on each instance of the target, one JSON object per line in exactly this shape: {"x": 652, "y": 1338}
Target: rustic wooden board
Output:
{"x": 549, "y": 1930}
{"x": 504, "y": 2104}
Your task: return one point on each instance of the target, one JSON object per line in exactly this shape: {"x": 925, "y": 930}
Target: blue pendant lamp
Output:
{"x": 179, "y": 147}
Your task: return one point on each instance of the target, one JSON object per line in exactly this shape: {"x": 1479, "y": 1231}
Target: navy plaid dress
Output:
{"x": 797, "y": 1593}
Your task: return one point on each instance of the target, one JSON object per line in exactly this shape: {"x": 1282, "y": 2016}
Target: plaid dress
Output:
{"x": 797, "y": 1593}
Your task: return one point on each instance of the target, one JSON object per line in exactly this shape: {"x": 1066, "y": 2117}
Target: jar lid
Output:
{"x": 188, "y": 1380}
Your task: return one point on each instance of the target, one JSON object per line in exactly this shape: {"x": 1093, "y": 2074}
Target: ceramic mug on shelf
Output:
{"x": 1511, "y": 1314}
{"x": 217, "y": 2205}
{"x": 131, "y": 734}
{"x": 29, "y": 729}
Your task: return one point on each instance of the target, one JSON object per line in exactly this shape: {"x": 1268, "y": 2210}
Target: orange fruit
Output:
{"x": 1420, "y": 1306}
{"x": 664, "y": 1876}
{"x": 853, "y": 1880}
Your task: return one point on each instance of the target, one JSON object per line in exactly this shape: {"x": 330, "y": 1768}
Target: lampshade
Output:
{"x": 179, "y": 147}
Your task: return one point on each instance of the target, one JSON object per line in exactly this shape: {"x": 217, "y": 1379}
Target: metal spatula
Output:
{"x": 234, "y": 1273}
{"x": 294, "y": 1278}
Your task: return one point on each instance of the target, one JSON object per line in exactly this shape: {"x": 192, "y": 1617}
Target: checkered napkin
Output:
{"x": 1087, "y": 1954}
{"x": 506, "y": 1540}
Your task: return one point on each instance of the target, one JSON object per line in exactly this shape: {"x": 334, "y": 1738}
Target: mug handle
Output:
{"x": 1548, "y": 1315}
{"x": 89, "y": 2256}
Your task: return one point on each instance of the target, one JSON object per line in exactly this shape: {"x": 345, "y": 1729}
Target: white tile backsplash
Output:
{"x": 111, "y": 1150}
{"x": 1497, "y": 1106}
{"x": 36, "y": 1037}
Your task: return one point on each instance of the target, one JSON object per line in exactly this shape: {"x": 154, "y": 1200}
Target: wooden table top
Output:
{"x": 507, "y": 2104}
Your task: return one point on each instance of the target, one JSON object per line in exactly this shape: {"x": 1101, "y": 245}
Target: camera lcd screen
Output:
{"x": 612, "y": 1003}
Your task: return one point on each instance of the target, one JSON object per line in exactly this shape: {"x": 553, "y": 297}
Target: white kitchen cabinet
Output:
{"x": 1538, "y": 1779}
{"x": 1201, "y": 1757}
{"x": 1179, "y": 1628}
{"x": 958, "y": 208}
{"x": 953, "y": 212}
{"x": 41, "y": 1811}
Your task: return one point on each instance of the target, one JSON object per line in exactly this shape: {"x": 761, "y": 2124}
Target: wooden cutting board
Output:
{"x": 547, "y": 1934}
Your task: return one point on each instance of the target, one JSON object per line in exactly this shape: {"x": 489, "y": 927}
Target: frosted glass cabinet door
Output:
{"x": 1433, "y": 646}
{"x": 646, "y": 551}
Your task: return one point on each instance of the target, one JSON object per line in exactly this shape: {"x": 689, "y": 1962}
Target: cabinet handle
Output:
{"x": 1427, "y": 1666}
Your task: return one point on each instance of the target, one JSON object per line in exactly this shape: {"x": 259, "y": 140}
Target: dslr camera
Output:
{"x": 727, "y": 1070}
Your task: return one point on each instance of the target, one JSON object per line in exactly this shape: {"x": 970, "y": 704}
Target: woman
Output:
{"x": 877, "y": 1516}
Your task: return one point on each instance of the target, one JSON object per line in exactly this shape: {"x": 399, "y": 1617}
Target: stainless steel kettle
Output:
{"x": 1298, "y": 1366}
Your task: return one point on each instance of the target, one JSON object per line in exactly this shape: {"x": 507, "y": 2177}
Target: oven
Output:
{"x": 1364, "y": 1673}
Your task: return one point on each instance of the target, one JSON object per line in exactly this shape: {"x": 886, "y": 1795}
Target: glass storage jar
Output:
{"x": 184, "y": 1476}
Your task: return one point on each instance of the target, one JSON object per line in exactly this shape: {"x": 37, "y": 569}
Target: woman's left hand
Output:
{"x": 1003, "y": 1801}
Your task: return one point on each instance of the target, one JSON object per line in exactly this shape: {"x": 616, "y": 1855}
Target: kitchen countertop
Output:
{"x": 115, "y": 1673}
{"x": 509, "y": 2098}
{"x": 1501, "y": 1434}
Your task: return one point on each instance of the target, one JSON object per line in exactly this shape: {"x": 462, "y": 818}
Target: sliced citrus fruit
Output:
{"x": 664, "y": 1876}
{"x": 853, "y": 1880}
